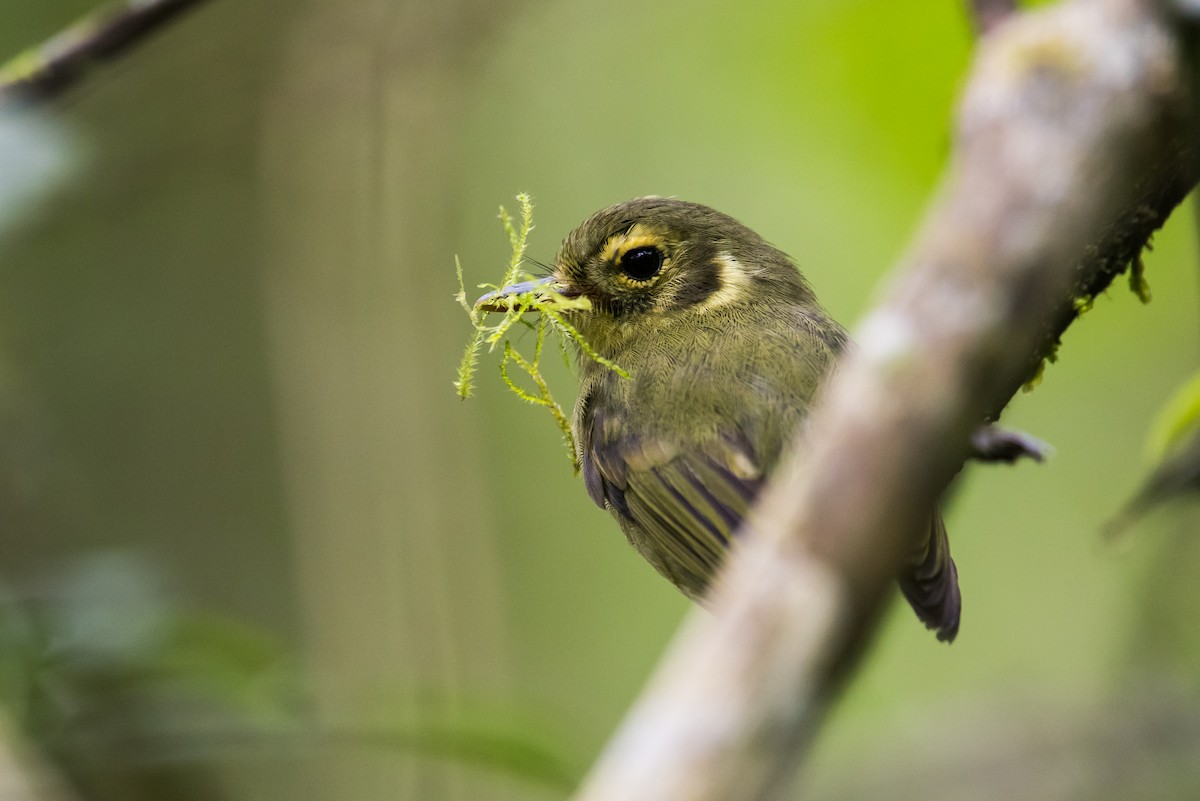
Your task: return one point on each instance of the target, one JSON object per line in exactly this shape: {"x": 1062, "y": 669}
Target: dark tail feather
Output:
{"x": 931, "y": 583}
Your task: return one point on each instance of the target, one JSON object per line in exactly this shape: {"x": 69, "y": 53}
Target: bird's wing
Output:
{"x": 685, "y": 502}
{"x": 930, "y": 583}
{"x": 682, "y": 504}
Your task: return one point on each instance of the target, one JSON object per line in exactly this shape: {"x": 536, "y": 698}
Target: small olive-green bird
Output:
{"x": 725, "y": 345}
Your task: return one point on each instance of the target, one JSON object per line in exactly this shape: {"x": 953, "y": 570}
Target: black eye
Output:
{"x": 641, "y": 264}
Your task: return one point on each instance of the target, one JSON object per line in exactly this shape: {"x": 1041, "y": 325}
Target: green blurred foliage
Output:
{"x": 227, "y": 345}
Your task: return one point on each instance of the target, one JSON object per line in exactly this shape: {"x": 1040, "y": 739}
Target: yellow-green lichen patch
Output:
{"x": 513, "y": 301}
{"x": 1137, "y": 280}
{"x": 1050, "y": 358}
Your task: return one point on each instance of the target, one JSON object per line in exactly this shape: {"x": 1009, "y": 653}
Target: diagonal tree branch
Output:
{"x": 1074, "y": 143}
{"x": 51, "y": 68}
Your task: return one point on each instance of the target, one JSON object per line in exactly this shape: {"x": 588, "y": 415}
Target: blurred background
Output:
{"x": 252, "y": 546}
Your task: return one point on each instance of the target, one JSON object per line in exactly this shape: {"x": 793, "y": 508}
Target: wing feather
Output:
{"x": 931, "y": 583}
{"x": 680, "y": 507}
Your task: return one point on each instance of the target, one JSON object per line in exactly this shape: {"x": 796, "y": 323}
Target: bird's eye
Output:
{"x": 642, "y": 263}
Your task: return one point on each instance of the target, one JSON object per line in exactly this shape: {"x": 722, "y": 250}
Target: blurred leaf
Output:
{"x": 233, "y": 664}
{"x": 109, "y": 659}
{"x": 487, "y": 732}
{"x": 1178, "y": 417}
{"x": 1174, "y": 444}
{"x": 35, "y": 156}
{"x": 522, "y": 755}
{"x": 1174, "y": 477}
{"x": 107, "y": 613}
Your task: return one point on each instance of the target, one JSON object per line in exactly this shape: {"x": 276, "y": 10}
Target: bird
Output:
{"x": 725, "y": 346}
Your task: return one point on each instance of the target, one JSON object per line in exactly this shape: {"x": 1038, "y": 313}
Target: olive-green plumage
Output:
{"x": 725, "y": 345}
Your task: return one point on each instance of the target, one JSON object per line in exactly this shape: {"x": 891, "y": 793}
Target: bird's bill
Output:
{"x": 544, "y": 291}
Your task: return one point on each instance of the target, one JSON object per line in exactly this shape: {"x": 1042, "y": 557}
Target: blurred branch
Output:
{"x": 46, "y": 71}
{"x": 1074, "y": 143}
{"x": 987, "y": 14}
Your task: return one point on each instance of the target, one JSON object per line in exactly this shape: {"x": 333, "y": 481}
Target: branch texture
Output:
{"x": 1074, "y": 143}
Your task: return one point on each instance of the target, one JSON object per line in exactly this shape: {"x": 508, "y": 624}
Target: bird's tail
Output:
{"x": 930, "y": 583}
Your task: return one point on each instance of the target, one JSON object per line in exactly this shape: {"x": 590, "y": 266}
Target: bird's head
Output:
{"x": 655, "y": 256}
